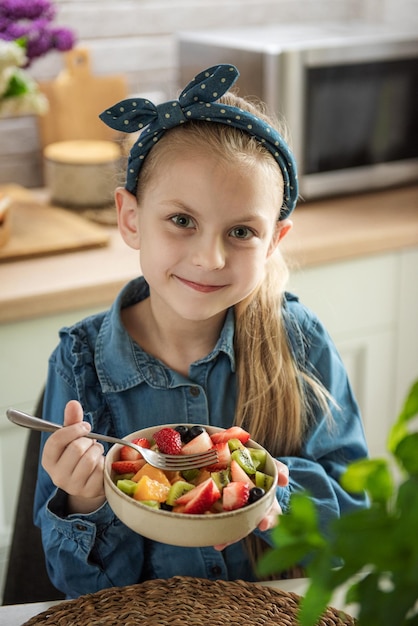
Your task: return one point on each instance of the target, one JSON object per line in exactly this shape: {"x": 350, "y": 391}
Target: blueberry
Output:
{"x": 165, "y": 507}
{"x": 184, "y": 433}
{"x": 255, "y": 494}
{"x": 195, "y": 431}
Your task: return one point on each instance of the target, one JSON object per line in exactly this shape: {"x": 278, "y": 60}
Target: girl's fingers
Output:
{"x": 283, "y": 474}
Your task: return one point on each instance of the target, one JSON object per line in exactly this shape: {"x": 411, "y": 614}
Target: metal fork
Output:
{"x": 173, "y": 462}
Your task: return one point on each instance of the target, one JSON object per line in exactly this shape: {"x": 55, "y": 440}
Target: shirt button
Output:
{"x": 81, "y": 527}
{"x": 194, "y": 391}
{"x": 216, "y": 570}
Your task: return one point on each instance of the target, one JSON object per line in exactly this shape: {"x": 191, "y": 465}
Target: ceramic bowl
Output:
{"x": 182, "y": 529}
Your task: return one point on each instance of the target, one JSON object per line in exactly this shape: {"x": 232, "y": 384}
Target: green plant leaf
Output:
{"x": 278, "y": 560}
{"x": 296, "y": 536}
{"x": 367, "y": 538}
{"x": 407, "y": 453}
{"x": 381, "y": 603}
{"x": 22, "y": 42}
{"x": 377, "y": 546}
{"x": 314, "y": 603}
{"x": 409, "y": 410}
{"x": 17, "y": 85}
{"x": 371, "y": 475}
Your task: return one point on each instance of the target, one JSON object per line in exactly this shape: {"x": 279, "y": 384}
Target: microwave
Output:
{"x": 348, "y": 93}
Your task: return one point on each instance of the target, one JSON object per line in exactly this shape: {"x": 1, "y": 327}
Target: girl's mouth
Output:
{"x": 202, "y": 288}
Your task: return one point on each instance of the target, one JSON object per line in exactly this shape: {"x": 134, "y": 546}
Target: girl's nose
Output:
{"x": 209, "y": 253}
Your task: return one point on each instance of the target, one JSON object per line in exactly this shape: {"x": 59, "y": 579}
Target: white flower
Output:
{"x": 19, "y": 93}
{"x": 11, "y": 55}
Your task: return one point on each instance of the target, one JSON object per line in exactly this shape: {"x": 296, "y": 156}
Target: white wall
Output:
{"x": 137, "y": 37}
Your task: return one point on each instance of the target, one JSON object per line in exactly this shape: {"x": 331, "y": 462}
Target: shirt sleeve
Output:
{"x": 332, "y": 443}
{"x": 83, "y": 553}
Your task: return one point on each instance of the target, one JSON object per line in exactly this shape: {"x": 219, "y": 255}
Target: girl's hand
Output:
{"x": 75, "y": 463}
{"x": 272, "y": 517}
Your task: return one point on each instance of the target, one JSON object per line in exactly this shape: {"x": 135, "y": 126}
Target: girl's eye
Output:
{"x": 242, "y": 232}
{"x": 182, "y": 221}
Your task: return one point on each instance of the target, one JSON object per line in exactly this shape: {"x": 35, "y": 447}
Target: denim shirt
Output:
{"x": 123, "y": 389}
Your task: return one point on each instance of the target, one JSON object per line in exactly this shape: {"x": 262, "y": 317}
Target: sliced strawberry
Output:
{"x": 235, "y": 495}
{"x": 239, "y": 475}
{"x": 178, "y": 508}
{"x": 127, "y": 467}
{"x": 235, "y": 432}
{"x": 201, "y": 443}
{"x": 129, "y": 454}
{"x": 200, "y": 499}
{"x": 224, "y": 457}
{"x": 168, "y": 441}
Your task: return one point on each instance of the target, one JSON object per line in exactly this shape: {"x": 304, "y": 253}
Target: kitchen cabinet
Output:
{"x": 369, "y": 305}
{"x": 25, "y": 349}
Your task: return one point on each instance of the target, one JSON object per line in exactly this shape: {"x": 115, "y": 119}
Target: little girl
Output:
{"x": 207, "y": 335}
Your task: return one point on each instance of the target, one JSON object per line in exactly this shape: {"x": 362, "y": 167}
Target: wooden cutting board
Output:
{"x": 39, "y": 229}
{"x": 76, "y": 97}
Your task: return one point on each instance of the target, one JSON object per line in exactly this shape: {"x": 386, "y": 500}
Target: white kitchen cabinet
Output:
{"x": 25, "y": 349}
{"x": 369, "y": 305}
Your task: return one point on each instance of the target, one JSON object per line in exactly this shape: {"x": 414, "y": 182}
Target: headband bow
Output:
{"x": 199, "y": 101}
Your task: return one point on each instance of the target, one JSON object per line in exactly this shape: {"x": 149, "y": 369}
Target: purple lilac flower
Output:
{"x": 27, "y": 9}
{"x": 63, "y": 39}
{"x": 30, "y": 20}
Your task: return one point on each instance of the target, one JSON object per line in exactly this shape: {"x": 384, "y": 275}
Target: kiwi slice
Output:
{"x": 221, "y": 478}
{"x": 235, "y": 444}
{"x": 127, "y": 486}
{"x": 259, "y": 458}
{"x": 190, "y": 474}
{"x": 265, "y": 481}
{"x": 128, "y": 476}
{"x": 151, "y": 503}
{"x": 243, "y": 458}
{"x": 177, "y": 489}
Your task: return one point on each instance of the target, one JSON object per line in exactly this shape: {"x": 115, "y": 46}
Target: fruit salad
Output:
{"x": 236, "y": 480}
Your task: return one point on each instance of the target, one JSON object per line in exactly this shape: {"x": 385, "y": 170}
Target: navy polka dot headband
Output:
{"x": 198, "y": 101}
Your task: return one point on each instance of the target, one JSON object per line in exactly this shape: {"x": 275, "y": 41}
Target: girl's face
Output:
{"x": 205, "y": 231}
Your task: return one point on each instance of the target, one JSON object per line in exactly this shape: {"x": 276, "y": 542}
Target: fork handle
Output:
{"x": 35, "y": 423}
{"x": 30, "y": 421}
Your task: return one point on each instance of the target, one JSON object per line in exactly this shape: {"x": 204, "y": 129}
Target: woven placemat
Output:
{"x": 183, "y": 601}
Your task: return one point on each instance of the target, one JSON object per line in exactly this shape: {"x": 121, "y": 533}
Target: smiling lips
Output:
{"x": 199, "y": 286}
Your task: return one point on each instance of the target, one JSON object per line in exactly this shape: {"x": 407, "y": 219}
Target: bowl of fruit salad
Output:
{"x": 213, "y": 505}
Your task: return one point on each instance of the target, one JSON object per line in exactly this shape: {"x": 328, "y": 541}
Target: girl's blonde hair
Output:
{"x": 274, "y": 394}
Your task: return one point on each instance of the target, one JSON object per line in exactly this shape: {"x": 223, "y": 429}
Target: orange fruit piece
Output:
{"x": 172, "y": 476}
{"x": 204, "y": 474}
{"x": 149, "y": 489}
{"x": 152, "y": 472}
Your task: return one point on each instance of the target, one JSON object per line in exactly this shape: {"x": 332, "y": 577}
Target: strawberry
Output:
{"x": 224, "y": 457}
{"x": 201, "y": 443}
{"x": 200, "y": 499}
{"x": 127, "y": 467}
{"x": 235, "y": 432}
{"x": 129, "y": 454}
{"x": 239, "y": 475}
{"x": 168, "y": 441}
{"x": 235, "y": 495}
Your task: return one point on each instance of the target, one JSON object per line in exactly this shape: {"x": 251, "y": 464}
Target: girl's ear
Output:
{"x": 282, "y": 228}
{"x": 128, "y": 223}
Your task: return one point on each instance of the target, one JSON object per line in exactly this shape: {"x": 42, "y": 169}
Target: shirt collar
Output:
{"x": 122, "y": 364}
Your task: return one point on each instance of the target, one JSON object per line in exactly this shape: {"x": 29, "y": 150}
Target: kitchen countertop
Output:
{"x": 325, "y": 231}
